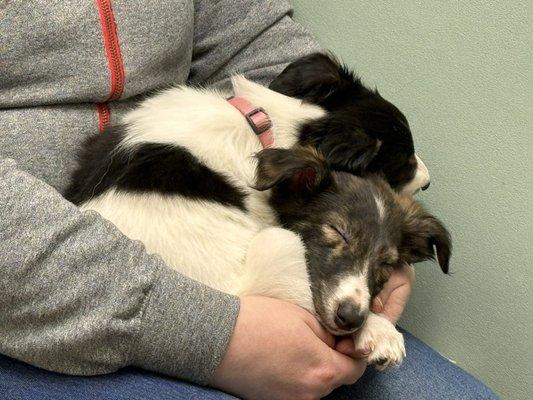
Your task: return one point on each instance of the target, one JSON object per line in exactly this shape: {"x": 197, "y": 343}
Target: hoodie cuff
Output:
{"x": 186, "y": 328}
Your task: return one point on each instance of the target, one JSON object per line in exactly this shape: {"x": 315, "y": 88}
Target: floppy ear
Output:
{"x": 312, "y": 78}
{"x": 299, "y": 171}
{"x": 424, "y": 237}
{"x": 345, "y": 145}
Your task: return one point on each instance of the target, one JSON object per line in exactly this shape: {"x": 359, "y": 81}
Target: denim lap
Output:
{"x": 424, "y": 375}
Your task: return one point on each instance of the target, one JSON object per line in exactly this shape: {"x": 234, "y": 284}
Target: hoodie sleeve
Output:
{"x": 256, "y": 38}
{"x": 78, "y": 297}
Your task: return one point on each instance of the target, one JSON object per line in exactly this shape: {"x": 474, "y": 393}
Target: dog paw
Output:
{"x": 386, "y": 343}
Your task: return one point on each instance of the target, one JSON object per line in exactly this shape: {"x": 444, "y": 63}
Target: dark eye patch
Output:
{"x": 400, "y": 171}
{"x": 388, "y": 264}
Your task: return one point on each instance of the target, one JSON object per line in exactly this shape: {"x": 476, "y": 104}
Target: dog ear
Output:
{"x": 424, "y": 237}
{"x": 312, "y": 78}
{"x": 299, "y": 171}
{"x": 345, "y": 146}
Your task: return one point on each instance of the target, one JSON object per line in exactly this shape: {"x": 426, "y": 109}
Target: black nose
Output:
{"x": 348, "y": 316}
{"x": 426, "y": 187}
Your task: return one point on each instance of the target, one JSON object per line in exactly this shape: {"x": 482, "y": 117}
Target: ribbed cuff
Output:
{"x": 186, "y": 328}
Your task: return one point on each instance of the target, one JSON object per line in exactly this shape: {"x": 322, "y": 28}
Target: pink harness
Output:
{"x": 257, "y": 118}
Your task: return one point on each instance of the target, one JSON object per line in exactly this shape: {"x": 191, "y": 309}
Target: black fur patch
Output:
{"x": 149, "y": 168}
{"x": 362, "y": 132}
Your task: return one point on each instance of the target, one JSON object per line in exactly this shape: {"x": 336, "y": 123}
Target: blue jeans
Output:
{"x": 423, "y": 375}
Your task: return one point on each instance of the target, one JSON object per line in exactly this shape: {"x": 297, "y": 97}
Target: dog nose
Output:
{"x": 348, "y": 316}
{"x": 425, "y": 187}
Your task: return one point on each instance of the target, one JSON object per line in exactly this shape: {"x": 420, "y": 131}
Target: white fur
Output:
{"x": 420, "y": 179}
{"x": 381, "y": 207}
{"x": 228, "y": 249}
{"x": 352, "y": 288}
{"x": 220, "y": 246}
{"x": 203, "y": 240}
{"x": 386, "y": 343}
{"x": 276, "y": 267}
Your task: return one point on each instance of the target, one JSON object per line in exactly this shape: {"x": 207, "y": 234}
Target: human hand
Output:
{"x": 391, "y": 301}
{"x": 280, "y": 351}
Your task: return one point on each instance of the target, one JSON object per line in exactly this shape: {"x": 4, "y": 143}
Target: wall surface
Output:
{"x": 462, "y": 73}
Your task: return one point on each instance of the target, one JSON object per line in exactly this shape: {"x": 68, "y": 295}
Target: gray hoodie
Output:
{"x": 77, "y": 296}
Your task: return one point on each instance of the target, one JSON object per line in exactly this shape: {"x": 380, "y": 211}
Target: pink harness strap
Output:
{"x": 257, "y": 118}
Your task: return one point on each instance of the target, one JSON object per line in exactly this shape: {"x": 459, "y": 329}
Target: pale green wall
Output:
{"x": 461, "y": 72}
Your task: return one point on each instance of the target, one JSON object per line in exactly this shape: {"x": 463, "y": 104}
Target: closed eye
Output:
{"x": 390, "y": 263}
{"x": 341, "y": 234}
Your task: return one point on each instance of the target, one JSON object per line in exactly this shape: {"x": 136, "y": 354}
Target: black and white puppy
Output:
{"x": 361, "y": 132}
{"x": 181, "y": 175}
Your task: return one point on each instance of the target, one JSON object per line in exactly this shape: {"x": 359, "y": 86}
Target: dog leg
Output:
{"x": 275, "y": 267}
{"x": 386, "y": 343}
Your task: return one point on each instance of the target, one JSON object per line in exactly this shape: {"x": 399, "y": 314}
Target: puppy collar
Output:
{"x": 257, "y": 118}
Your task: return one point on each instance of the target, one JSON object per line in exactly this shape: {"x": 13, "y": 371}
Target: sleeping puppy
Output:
{"x": 324, "y": 105}
{"x": 180, "y": 174}
{"x": 361, "y": 132}
{"x": 355, "y": 231}
{"x": 337, "y": 240}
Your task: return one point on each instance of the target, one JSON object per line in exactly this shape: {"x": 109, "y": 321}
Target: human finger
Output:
{"x": 393, "y": 297}
{"x": 320, "y": 331}
{"x": 349, "y": 370}
{"x": 395, "y": 304}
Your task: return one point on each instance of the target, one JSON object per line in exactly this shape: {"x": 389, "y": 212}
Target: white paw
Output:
{"x": 386, "y": 343}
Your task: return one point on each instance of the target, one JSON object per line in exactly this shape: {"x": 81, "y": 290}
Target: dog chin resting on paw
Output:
{"x": 186, "y": 174}
{"x": 355, "y": 231}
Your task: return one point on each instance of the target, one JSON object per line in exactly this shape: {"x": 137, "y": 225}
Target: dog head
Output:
{"x": 355, "y": 231}
{"x": 361, "y": 132}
